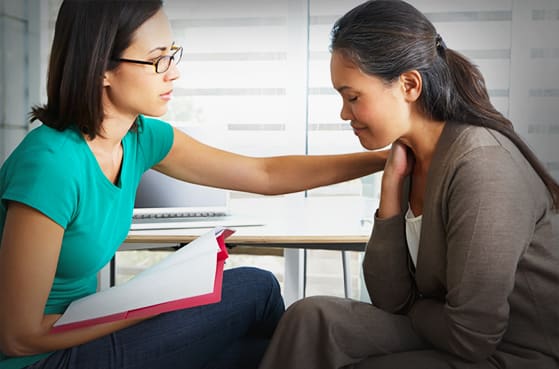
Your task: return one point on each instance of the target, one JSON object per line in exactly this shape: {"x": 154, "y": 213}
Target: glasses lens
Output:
{"x": 164, "y": 62}
{"x": 177, "y": 56}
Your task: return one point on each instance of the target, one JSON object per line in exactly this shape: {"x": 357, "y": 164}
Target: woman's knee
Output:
{"x": 253, "y": 277}
{"x": 259, "y": 292}
{"x": 248, "y": 273}
{"x": 254, "y": 285}
{"x": 313, "y": 308}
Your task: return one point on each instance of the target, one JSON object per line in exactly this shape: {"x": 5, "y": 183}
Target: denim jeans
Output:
{"x": 233, "y": 333}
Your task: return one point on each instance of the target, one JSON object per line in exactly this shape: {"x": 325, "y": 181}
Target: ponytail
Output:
{"x": 474, "y": 107}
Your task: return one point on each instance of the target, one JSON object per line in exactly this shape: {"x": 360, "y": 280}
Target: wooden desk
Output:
{"x": 341, "y": 223}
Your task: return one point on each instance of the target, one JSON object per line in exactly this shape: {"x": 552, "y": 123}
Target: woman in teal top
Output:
{"x": 67, "y": 194}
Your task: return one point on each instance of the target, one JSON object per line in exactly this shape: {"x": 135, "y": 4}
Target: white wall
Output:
{"x": 534, "y": 77}
{"x": 19, "y": 69}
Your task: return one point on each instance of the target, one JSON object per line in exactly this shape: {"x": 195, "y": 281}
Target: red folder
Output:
{"x": 183, "y": 303}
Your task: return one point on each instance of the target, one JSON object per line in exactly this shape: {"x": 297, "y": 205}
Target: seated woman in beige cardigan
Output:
{"x": 463, "y": 263}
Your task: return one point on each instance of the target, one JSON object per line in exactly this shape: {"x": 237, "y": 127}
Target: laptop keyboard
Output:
{"x": 180, "y": 214}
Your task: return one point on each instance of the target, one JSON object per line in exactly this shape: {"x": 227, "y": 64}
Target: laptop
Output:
{"x": 163, "y": 202}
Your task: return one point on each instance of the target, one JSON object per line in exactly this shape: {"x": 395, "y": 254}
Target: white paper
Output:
{"x": 188, "y": 272}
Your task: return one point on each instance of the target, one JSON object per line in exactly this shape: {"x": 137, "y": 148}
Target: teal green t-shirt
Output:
{"x": 56, "y": 173}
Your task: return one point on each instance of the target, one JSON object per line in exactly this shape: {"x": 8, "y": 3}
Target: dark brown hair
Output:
{"x": 386, "y": 38}
{"x": 89, "y": 36}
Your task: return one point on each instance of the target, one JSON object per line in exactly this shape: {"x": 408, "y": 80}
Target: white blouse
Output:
{"x": 413, "y": 233}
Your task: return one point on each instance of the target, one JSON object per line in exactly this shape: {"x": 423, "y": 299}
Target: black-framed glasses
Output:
{"x": 162, "y": 63}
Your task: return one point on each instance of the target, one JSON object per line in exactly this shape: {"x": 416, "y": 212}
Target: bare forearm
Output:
{"x": 293, "y": 173}
{"x": 45, "y": 341}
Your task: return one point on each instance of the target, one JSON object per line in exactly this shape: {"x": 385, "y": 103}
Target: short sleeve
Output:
{"x": 42, "y": 182}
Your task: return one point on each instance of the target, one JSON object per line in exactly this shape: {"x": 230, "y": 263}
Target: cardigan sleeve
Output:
{"x": 385, "y": 266}
{"x": 491, "y": 220}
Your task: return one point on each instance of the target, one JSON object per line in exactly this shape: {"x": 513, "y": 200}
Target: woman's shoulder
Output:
{"x": 45, "y": 147}
{"x": 43, "y": 172}
{"x": 466, "y": 151}
{"x": 472, "y": 137}
{"x": 44, "y": 139}
{"x": 463, "y": 140}
{"x": 490, "y": 157}
{"x": 153, "y": 140}
{"x": 147, "y": 124}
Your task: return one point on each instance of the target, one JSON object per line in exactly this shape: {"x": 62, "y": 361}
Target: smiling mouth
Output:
{"x": 167, "y": 95}
{"x": 358, "y": 128}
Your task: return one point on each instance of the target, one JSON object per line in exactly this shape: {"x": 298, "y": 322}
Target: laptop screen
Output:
{"x": 157, "y": 190}
{"x": 163, "y": 202}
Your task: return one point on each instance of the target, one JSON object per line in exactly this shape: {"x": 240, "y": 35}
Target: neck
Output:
{"x": 422, "y": 140}
{"x": 107, "y": 147}
{"x": 116, "y": 124}
{"x": 112, "y": 132}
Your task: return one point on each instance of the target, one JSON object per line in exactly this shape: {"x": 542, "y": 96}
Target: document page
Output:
{"x": 182, "y": 276}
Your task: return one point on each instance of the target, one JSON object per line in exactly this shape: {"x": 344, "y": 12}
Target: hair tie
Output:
{"x": 439, "y": 43}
